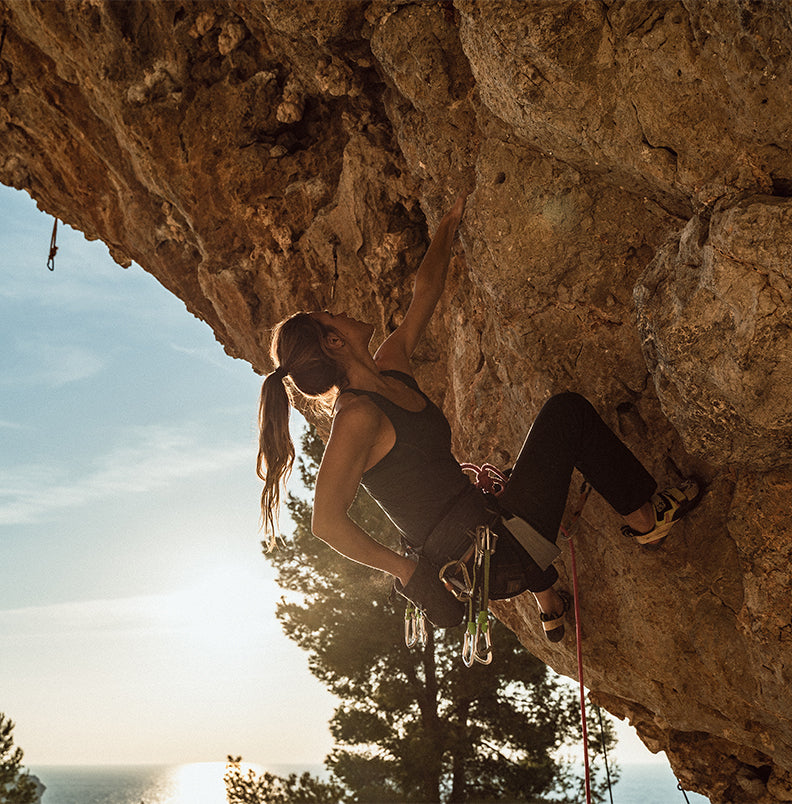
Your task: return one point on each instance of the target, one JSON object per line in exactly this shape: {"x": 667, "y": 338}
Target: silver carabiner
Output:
{"x": 420, "y": 626}
{"x": 414, "y": 627}
{"x": 409, "y": 631}
{"x": 484, "y": 657}
{"x": 469, "y": 647}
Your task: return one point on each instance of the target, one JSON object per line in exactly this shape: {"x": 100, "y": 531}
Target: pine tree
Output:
{"x": 16, "y": 786}
{"x": 417, "y": 725}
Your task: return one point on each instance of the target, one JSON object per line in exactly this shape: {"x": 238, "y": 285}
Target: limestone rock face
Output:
{"x": 715, "y": 314}
{"x": 627, "y": 235}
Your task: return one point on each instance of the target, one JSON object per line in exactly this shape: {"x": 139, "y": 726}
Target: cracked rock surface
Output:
{"x": 627, "y": 235}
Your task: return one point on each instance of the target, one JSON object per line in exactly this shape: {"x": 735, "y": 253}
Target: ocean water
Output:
{"x": 202, "y": 783}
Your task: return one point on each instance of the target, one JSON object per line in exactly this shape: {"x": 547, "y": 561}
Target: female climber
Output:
{"x": 389, "y": 436}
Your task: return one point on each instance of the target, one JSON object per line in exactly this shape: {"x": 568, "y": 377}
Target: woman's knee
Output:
{"x": 566, "y": 405}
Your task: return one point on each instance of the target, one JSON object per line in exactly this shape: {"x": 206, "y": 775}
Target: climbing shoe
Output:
{"x": 553, "y": 624}
{"x": 670, "y": 505}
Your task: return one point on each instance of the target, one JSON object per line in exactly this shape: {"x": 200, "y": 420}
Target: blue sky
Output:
{"x": 136, "y": 611}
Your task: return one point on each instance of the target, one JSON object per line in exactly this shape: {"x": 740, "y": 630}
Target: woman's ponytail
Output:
{"x": 276, "y": 450}
{"x": 299, "y": 351}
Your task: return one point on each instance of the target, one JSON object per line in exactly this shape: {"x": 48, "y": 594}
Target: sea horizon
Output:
{"x": 202, "y": 782}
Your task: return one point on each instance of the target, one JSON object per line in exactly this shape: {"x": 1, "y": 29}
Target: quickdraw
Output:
{"x": 479, "y": 627}
{"x": 414, "y": 626}
{"x": 53, "y": 246}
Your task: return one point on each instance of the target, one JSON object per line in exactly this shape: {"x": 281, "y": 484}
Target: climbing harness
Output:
{"x": 468, "y": 579}
{"x": 53, "y": 246}
{"x": 477, "y": 643}
{"x": 414, "y": 626}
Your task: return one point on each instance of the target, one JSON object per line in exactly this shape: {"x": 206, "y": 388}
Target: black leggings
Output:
{"x": 567, "y": 434}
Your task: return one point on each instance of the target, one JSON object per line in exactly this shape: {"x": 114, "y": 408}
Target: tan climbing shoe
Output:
{"x": 670, "y": 505}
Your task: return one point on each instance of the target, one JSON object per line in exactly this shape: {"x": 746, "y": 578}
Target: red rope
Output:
{"x": 580, "y": 673}
{"x": 491, "y": 479}
{"x": 567, "y": 532}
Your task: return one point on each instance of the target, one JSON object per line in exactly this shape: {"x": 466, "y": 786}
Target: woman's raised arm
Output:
{"x": 430, "y": 279}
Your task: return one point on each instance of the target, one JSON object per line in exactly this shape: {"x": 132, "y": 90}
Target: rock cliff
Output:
{"x": 627, "y": 235}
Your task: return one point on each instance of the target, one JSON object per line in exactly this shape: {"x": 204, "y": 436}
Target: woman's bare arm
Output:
{"x": 354, "y": 430}
{"x": 430, "y": 280}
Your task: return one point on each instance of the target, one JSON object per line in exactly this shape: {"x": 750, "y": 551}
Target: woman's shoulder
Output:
{"x": 356, "y": 424}
{"x": 354, "y": 407}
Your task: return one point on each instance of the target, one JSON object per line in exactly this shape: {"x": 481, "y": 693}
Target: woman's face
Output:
{"x": 350, "y": 329}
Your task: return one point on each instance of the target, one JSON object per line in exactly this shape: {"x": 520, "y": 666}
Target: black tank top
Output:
{"x": 419, "y": 480}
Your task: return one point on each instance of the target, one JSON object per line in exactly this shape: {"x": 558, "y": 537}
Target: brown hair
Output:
{"x": 299, "y": 352}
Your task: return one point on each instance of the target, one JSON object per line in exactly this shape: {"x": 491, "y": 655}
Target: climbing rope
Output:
{"x": 53, "y": 246}
{"x": 566, "y": 533}
{"x": 682, "y": 790}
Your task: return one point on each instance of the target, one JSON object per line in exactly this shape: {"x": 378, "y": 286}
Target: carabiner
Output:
{"x": 483, "y": 627}
{"x": 414, "y": 626}
{"x": 469, "y": 645}
{"x": 472, "y": 651}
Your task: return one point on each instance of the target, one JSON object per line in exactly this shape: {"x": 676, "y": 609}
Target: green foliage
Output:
{"x": 16, "y": 786}
{"x": 416, "y": 725}
{"x": 248, "y": 788}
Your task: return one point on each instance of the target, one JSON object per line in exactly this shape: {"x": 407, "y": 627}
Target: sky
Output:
{"x": 136, "y": 609}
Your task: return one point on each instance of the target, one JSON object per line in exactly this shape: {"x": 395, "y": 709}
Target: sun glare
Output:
{"x": 221, "y": 605}
{"x": 198, "y": 783}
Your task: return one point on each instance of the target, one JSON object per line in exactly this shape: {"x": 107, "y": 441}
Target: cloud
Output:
{"x": 131, "y": 614}
{"x": 51, "y": 364}
{"x": 5, "y": 424}
{"x": 217, "y": 608}
{"x": 154, "y": 457}
{"x": 212, "y": 356}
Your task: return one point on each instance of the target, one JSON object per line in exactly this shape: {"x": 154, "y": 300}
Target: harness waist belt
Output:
{"x": 453, "y": 536}
{"x": 455, "y": 532}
